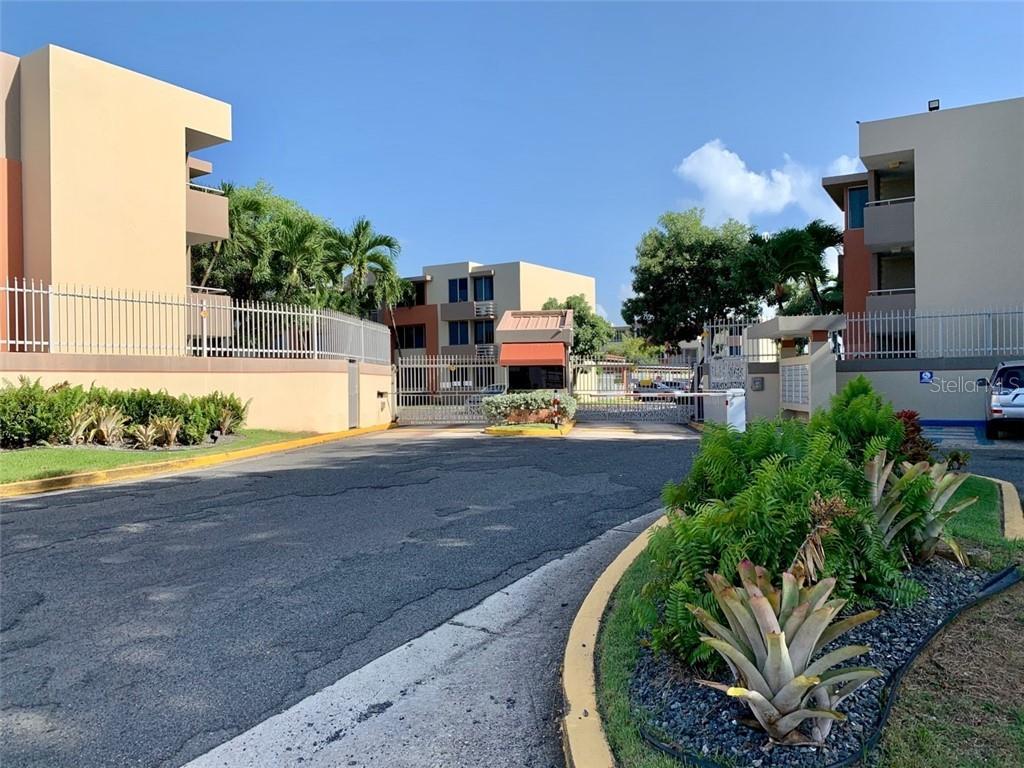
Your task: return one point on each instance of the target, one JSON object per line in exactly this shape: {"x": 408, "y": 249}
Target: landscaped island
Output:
{"x": 802, "y": 568}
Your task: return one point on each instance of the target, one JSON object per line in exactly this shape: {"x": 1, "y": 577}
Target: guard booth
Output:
{"x": 534, "y": 348}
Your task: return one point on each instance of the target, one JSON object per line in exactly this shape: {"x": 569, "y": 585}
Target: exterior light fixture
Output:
{"x": 933, "y": 105}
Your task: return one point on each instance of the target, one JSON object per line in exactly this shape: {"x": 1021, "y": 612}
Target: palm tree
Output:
{"x": 388, "y": 291}
{"x": 246, "y": 206}
{"x": 361, "y": 251}
{"x": 299, "y": 248}
{"x": 796, "y": 255}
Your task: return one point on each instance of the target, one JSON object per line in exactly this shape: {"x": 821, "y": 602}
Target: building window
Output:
{"x": 483, "y": 332}
{"x": 857, "y": 198}
{"x": 458, "y": 333}
{"x": 412, "y": 336}
{"x": 458, "y": 289}
{"x": 483, "y": 288}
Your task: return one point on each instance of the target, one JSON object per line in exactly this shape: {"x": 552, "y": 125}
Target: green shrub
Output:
{"x": 866, "y": 422}
{"x": 499, "y": 408}
{"x": 31, "y": 413}
{"x": 767, "y": 520}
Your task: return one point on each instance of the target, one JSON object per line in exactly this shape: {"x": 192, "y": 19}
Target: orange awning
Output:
{"x": 532, "y": 353}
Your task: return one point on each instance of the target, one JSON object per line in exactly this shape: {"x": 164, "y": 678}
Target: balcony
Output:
{"x": 890, "y": 300}
{"x": 467, "y": 310}
{"x": 889, "y": 224}
{"x": 206, "y": 215}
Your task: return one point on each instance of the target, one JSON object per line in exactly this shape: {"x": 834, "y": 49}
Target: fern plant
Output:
{"x": 813, "y": 498}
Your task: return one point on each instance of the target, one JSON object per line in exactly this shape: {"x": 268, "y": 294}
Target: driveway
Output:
{"x": 145, "y": 624}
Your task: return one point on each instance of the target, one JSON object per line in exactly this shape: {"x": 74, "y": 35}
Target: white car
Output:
{"x": 1006, "y": 397}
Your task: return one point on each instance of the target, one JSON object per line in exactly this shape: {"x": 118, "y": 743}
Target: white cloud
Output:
{"x": 843, "y": 165}
{"x": 729, "y": 189}
{"x": 599, "y": 309}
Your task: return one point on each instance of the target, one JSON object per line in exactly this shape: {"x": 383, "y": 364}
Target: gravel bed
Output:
{"x": 698, "y": 720}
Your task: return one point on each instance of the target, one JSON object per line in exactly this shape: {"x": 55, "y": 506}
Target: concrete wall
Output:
{"x": 764, "y": 404}
{"x": 969, "y": 190}
{"x": 293, "y": 395}
{"x": 952, "y": 395}
{"x": 103, "y": 154}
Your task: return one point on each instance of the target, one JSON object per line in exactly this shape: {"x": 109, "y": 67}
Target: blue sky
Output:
{"x": 554, "y": 133}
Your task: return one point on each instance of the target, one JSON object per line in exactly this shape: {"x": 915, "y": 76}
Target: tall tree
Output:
{"x": 357, "y": 253}
{"x": 590, "y": 331}
{"x": 791, "y": 258}
{"x": 687, "y": 274}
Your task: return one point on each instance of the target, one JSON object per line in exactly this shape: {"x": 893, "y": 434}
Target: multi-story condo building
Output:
{"x": 455, "y": 307}
{"x": 97, "y": 172}
{"x": 932, "y": 222}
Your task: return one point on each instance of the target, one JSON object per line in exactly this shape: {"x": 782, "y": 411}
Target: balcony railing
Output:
{"x": 483, "y": 309}
{"x": 207, "y": 190}
{"x": 890, "y": 201}
{"x": 35, "y": 317}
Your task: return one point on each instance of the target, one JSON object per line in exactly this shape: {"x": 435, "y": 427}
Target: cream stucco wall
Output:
{"x": 293, "y": 395}
{"x": 969, "y": 197}
{"x": 104, "y": 171}
{"x": 537, "y": 284}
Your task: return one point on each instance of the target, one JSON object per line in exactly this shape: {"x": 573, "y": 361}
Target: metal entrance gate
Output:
{"x": 446, "y": 390}
{"x": 614, "y": 391}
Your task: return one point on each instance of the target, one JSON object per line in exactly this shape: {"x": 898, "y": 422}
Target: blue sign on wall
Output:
{"x": 925, "y": 377}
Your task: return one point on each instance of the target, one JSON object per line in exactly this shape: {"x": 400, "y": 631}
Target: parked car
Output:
{"x": 490, "y": 390}
{"x": 1006, "y": 397}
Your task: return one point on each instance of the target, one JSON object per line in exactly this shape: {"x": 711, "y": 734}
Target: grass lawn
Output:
{"x": 515, "y": 429}
{"x": 981, "y": 523}
{"x": 55, "y": 461}
{"x": 617, "y": 651}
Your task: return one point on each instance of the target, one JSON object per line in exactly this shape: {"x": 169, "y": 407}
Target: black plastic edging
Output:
{"x": 1001, "y": 581}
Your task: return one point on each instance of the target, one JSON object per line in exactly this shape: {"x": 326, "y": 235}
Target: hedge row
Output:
{"x": 31, "y": 414}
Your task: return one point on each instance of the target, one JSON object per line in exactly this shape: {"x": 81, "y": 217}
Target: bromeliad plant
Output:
{"x": 770, "y": 645}
{"x": 937, "y": 511}
{"x": 915, "y": 504}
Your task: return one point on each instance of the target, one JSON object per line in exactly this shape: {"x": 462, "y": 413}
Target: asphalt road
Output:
{"x": 144, "y": 624}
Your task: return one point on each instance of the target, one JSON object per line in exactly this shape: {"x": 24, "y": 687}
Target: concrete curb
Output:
{"x": 1013, "y": 516}
{"x": 583, "y": 739}
{"x": 139, "y": 471}
{"x": 561, "y": 431}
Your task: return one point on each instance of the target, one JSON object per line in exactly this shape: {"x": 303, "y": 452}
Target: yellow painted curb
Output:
{"x": 583, "y": 739}
{"x": 1013, "y": 516}
{"x": 137, "y": 471}
{"x": 562, "y": 431}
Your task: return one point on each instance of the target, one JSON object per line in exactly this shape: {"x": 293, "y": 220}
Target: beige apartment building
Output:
{"x": 932, "y": 222}
{"x": 455, "y": 307}
{"x": 100, "y": 207}
{"x": 98, "y": 167}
